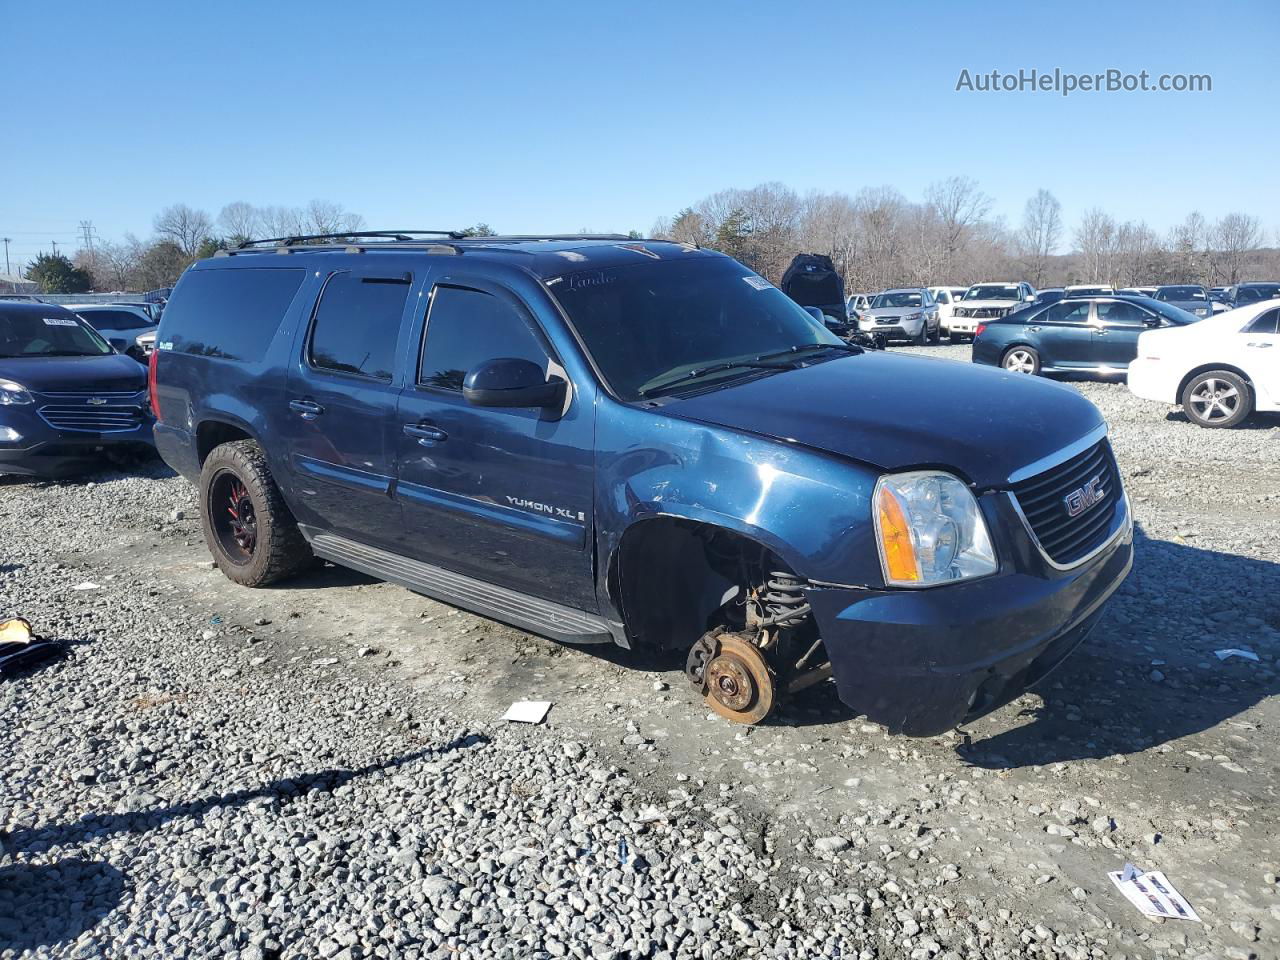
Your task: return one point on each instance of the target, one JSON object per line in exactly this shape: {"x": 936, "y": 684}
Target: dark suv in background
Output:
{"x": 66, "y": 398}
{"x": 642, "y": 443}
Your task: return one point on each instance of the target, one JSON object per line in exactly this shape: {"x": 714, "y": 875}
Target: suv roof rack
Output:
{"x": 387, "y": 235}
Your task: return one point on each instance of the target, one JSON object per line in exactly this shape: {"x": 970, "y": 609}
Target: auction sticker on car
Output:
{"x": 760, "y": 283}
{"x": 59, "y": 322}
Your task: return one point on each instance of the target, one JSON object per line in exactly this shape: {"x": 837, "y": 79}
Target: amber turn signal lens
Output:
{"x": 896, "y": 547}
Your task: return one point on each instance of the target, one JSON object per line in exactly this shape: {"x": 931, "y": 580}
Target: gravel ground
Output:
{"x": 317, "y": 771}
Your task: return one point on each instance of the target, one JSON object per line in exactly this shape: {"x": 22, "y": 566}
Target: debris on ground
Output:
{"x": 1236, "y": 652}
{"x": 1152, "y": 893}
{"x": 19, "y": 646}
{"x": 527, "y": 711}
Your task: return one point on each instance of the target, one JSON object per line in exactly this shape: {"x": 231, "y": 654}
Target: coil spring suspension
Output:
{"x": 782, "y": 600}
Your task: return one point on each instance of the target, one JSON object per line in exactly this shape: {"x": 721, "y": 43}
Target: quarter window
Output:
{"x": 467, "y": 327}
{"x": 357, "y": 324}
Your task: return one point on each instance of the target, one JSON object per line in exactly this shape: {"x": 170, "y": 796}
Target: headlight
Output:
{"x": 930, "y": 530}
{"x": 913, "y": 316}
{"x": 12, "y": 393}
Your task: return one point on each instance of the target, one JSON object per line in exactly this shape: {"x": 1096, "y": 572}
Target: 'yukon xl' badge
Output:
{"x": 1082, "y": 498}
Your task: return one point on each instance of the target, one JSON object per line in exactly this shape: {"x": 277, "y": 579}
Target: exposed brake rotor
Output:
{"x": 737, "y": 682}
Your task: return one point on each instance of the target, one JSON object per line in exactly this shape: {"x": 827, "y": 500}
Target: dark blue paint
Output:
{"x": 45, "y": 450}
{"x": 539, "y": 501}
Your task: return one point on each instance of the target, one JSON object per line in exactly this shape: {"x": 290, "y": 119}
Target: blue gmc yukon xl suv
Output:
{"x": 642, "y": 442}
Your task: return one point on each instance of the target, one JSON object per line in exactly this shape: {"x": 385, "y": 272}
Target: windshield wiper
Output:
{"x": 801, "y": 348}
{"x": 714, "y": 368}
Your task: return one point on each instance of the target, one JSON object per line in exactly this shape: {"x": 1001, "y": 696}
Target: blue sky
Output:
{"x": 556, "y": 116}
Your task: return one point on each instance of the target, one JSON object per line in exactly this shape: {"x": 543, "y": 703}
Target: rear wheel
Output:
{"x": 250, "y": 532}
{"x": 1021, "y": 360}
{"x": 1217, "y": 398}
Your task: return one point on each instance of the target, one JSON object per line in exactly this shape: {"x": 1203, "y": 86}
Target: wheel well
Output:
{"x": 1205, "y": 368}
{"x": 214, "y": 433}
{"x": 669, "y": 577}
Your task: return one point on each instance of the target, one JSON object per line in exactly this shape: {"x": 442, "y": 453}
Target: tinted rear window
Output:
{"x": 228, "y": 313}
{"x": 356, "y": 325}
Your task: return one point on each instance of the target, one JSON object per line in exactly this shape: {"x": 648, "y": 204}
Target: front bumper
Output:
{"x": 904, "y": 330}
{"x": 1149, "y": 380}
{"x": 922, "y": 661}
{"x": 960, "y": 324}
{"x": 30, "y": 446}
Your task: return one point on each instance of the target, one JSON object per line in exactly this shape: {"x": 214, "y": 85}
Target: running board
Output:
{"x": 498, "y": 603}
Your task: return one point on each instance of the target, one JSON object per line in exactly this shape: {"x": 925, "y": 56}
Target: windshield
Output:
{"x": 648, "y": 324}
{"x": 1181, "y": 293}
{"x": 897, "y": 298}
{"x": 992, "y": 292}
{"x": 30, "y": 334}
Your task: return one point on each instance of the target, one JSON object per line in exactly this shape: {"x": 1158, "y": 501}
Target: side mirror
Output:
{"x": 1029, "y": 298}
{"x": 511, "y": 382}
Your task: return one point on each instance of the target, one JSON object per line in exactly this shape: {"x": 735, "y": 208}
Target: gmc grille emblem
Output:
{"x": 97, "y": 401}
{"x": 1082, "y": 498}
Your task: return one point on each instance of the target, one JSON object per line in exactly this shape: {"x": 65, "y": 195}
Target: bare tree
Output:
{"x": 239, "y": 221}
{"x": 1234, "y": 237}
{"x": 1094, "y": 238}
{"x": 321, "y": 216}
{"x": 184, "y": 227}
{"x": 1040, "y": 234}
{"x": 1188, "y": 250}
{"x": 959, "y": 206}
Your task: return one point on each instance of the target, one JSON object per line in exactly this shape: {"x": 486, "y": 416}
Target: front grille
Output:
{"x": 84, "y": 395}
{"x": 82, "y": 418}
{"x": 886, "y": 320}
{"x": 1044, "y": 502}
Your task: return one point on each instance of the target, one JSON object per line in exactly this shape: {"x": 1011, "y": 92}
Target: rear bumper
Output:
{"x": 920, "y": 662}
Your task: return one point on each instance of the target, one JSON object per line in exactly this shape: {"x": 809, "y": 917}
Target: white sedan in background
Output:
{"x": 1219, "y": 370}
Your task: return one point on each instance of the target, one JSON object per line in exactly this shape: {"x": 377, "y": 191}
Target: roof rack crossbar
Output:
{"x": 350, "y": 235}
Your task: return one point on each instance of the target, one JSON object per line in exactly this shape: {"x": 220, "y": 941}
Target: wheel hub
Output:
{"x": 737, "y": 682}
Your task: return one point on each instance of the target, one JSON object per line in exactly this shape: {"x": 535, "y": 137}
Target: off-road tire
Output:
{"x": 280, "y": 550}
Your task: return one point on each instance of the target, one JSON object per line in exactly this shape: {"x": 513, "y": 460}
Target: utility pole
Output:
{"x": 86, "y": 230}
{"x": 55, "y": 247}
{"x": 6, "y": 253}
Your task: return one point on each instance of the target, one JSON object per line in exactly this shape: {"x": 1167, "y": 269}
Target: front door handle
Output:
{"x": 307, "y": 408}
{"x": 1100, "y": 332}
{"x": 1258, "y": 344}
{"x": 1034, "y": 329}
{"x": 427, "y": 435}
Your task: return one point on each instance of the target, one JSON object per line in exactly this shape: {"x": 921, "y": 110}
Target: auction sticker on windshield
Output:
{"x": 59, "y": 322}
{"x": 760, "y": 283}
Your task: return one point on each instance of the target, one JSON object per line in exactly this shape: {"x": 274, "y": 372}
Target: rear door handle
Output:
{"x": 1260, "y": 346}
{"x": 427, "y": 435}
{"x": 308, "y": 408}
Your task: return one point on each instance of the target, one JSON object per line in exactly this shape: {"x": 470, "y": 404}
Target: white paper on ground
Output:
{"x": 527, "y": 711}
{"x": 1153, "y": 894}
{"x": 87, "y": 585}
{"x": 1236, "y": 652}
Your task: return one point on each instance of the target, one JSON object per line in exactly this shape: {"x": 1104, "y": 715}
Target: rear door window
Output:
{"x": 466, "y": 328}
{"x": 1068, "y": 312}
{"x": 230, "y": 313}
{"x": 1120, "y": 314}
{"x": 1265, "y": 323}
{"x": 115, "y": 320}
{"x": 357, "y": 325}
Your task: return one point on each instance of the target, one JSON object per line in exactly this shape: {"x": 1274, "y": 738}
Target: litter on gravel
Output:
{"x": 87, "y": 585}
{"x": 1153, "y": 894}
{"x": 1236, "y": 652}
{"x": 527, "y": 711}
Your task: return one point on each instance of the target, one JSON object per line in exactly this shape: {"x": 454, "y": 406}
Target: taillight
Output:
{"x": 152, "y": 362}
{"x": 976, "y": 333}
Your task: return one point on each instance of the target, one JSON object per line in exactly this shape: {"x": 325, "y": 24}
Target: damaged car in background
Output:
{"x": 605, "y": 440}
